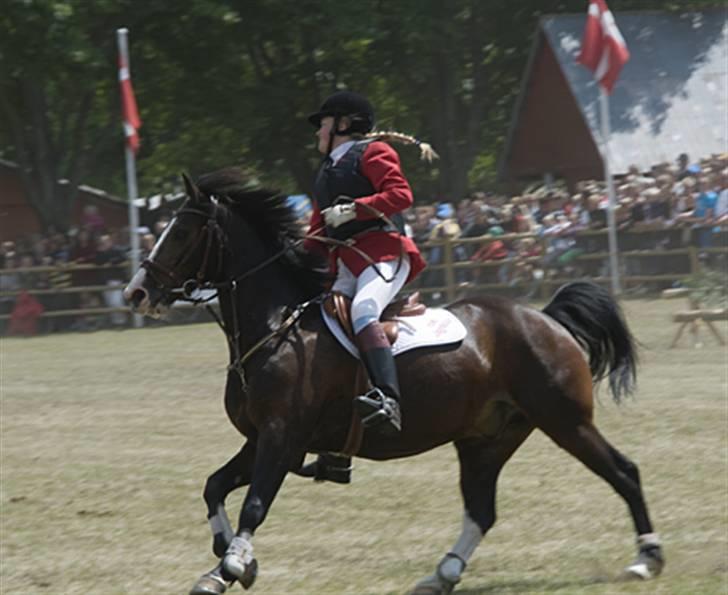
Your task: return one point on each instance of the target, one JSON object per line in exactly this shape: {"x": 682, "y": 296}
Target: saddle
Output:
{"x": 339, "y": 306}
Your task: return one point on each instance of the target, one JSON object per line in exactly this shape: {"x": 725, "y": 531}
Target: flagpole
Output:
{"x": 131, "y": 181}
{"x": 611, "y": 206}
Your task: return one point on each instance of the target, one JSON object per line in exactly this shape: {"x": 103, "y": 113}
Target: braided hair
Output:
{"x": 427, "y": 153}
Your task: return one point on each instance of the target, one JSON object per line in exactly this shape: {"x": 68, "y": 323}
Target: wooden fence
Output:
{"x": 449, "y": 278}
{"x": 452, "y": 288}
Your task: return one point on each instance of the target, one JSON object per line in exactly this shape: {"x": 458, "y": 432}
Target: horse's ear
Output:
{"x": 192, "y": 190}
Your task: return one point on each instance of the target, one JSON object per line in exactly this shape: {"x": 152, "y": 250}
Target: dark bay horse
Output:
{"x": 290, "y": 384}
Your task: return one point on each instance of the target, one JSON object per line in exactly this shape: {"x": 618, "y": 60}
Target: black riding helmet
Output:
{"x": 352, "y": 105}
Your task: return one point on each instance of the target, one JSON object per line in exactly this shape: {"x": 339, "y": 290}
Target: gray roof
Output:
{"x": 671, "y": 96}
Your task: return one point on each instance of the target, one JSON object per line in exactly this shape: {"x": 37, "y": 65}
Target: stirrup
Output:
{"x": 380, "y": 411}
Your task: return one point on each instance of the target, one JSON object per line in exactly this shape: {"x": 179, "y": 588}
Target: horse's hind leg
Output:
{"x": 586, "y": 443}
{"x": 481, "y": 460}
{"x": 236, "y": 473}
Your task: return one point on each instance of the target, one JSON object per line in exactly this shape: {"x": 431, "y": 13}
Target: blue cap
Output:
{"x": 300, "y": 204}
{"x": 445, "y": 210}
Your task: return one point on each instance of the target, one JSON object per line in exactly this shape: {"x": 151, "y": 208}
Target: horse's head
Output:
{"x": 188, "y": 253}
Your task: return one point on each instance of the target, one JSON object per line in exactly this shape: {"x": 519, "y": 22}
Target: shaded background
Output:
{"x": 230, "y": 82}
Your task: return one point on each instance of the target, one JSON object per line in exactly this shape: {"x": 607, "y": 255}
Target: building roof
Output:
{"x": 670, "y": 97}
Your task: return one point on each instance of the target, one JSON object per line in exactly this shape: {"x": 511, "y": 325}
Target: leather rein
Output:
{"x": 212, "y": 233}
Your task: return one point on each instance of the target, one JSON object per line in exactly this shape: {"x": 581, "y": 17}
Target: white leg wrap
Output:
{"x": 469, "y": 539}
{"x": 648, "y": 539}
{"x": 238, "y": 555}
{"x": 220, "y": 523}
{"x": 451, "y": 567}
{"x": 648, "y": 563}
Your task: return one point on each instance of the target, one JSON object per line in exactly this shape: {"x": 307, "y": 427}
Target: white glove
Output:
{"x": 339, "y": 214}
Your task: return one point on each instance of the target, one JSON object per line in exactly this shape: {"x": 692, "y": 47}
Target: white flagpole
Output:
{"x": 611, "y": 219}
{"x": 131, "y": 181}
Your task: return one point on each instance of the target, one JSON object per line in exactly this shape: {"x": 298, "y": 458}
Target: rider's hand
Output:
{"x": 339, "y": 214}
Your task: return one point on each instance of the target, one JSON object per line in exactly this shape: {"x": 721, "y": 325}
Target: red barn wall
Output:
{"x": 551, "y": 135}
{"x": 18, "y": 219}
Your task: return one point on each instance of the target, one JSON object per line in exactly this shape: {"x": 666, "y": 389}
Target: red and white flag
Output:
{"x": 603, "y": 50}
{"x": 132, "y": 123}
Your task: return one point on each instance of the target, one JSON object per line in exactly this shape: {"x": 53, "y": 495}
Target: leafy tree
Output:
{"x": 55, "y": 82}
{"x": 231, "y": 81}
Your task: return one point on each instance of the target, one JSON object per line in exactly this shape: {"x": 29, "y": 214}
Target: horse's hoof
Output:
{"x": 245, "y": 574}
{"x": 433, "y": 585}
{"x": 209, "y": 584}
{"x": 251, "y": 573}
{"x": 649, "y": 564}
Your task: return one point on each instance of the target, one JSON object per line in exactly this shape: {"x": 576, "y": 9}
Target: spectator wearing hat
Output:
{"x": 446, "y": 227}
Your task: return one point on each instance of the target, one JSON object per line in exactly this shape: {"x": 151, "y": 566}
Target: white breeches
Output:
{"x": 369, "y": 292}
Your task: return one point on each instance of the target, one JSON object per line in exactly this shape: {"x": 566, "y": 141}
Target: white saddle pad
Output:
{"x": 436, "y": 326}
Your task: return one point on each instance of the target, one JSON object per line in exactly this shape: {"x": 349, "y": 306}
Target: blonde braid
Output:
{"x": 426, "y": 151}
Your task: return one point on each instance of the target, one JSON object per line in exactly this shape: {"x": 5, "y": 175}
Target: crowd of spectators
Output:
{"x": 37, "y": 272}
{"x": 672, "y": 205}
{"x": 528, "y": 237}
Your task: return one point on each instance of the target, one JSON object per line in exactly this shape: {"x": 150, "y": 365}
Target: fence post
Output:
{"x": 694, "y": 260}
{"x": 449, "y": 270}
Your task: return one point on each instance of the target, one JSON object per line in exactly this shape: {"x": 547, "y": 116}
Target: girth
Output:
{"x": 339, "y": 306}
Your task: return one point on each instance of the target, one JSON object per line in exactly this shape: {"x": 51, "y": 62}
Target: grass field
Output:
{"x": 107, "y": 438}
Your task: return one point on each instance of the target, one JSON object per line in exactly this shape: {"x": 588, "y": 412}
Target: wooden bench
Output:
{"x": 694, "y": 316}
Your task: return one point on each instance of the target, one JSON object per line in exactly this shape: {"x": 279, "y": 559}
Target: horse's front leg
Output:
{"x": 237, "y": 472}
{"x": 273, "y": 458}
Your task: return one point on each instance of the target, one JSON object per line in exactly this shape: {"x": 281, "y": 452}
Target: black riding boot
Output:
{"x": 379, "y": 408}
{"x": 328, "y": 467}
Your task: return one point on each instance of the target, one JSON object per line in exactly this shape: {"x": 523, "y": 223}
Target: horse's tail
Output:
{"x": 596, "y": 321}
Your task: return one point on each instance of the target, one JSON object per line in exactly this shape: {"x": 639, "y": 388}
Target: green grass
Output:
{"x": 106, "y": 440}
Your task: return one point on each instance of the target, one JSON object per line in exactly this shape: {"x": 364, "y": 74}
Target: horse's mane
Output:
{"x": 273, "y": 219}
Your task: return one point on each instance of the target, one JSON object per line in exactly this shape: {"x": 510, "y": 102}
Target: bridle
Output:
{"x": 210, "y": 233}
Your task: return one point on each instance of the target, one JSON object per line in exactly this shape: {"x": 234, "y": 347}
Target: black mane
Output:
{"x": 272, "y": 218}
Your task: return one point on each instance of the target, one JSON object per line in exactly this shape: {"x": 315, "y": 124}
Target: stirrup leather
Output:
{"x": 376, "y": 408}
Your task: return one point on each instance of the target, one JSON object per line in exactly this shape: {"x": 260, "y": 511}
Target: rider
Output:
{"x": 360, "y": 192}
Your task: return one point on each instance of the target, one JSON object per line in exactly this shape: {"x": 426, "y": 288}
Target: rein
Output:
{"x": 212, "y": 231}
{"x": 234, "y": 337}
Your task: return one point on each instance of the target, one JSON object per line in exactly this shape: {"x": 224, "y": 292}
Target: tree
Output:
{"x": 231, "y": 81}
{"x": 55, "y": 122}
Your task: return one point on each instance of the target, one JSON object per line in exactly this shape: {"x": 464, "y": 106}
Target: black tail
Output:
{"x": 596, "y": 321}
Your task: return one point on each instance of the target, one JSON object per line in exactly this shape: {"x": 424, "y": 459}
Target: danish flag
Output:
{"x": 132, "y": 123}
{"x": 603, "y": 50}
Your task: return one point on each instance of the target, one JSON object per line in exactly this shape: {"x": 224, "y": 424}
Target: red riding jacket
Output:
{"x": 380, "y": 165}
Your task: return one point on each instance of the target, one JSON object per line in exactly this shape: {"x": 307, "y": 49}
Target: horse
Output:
{"x": 290, "y": 384}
